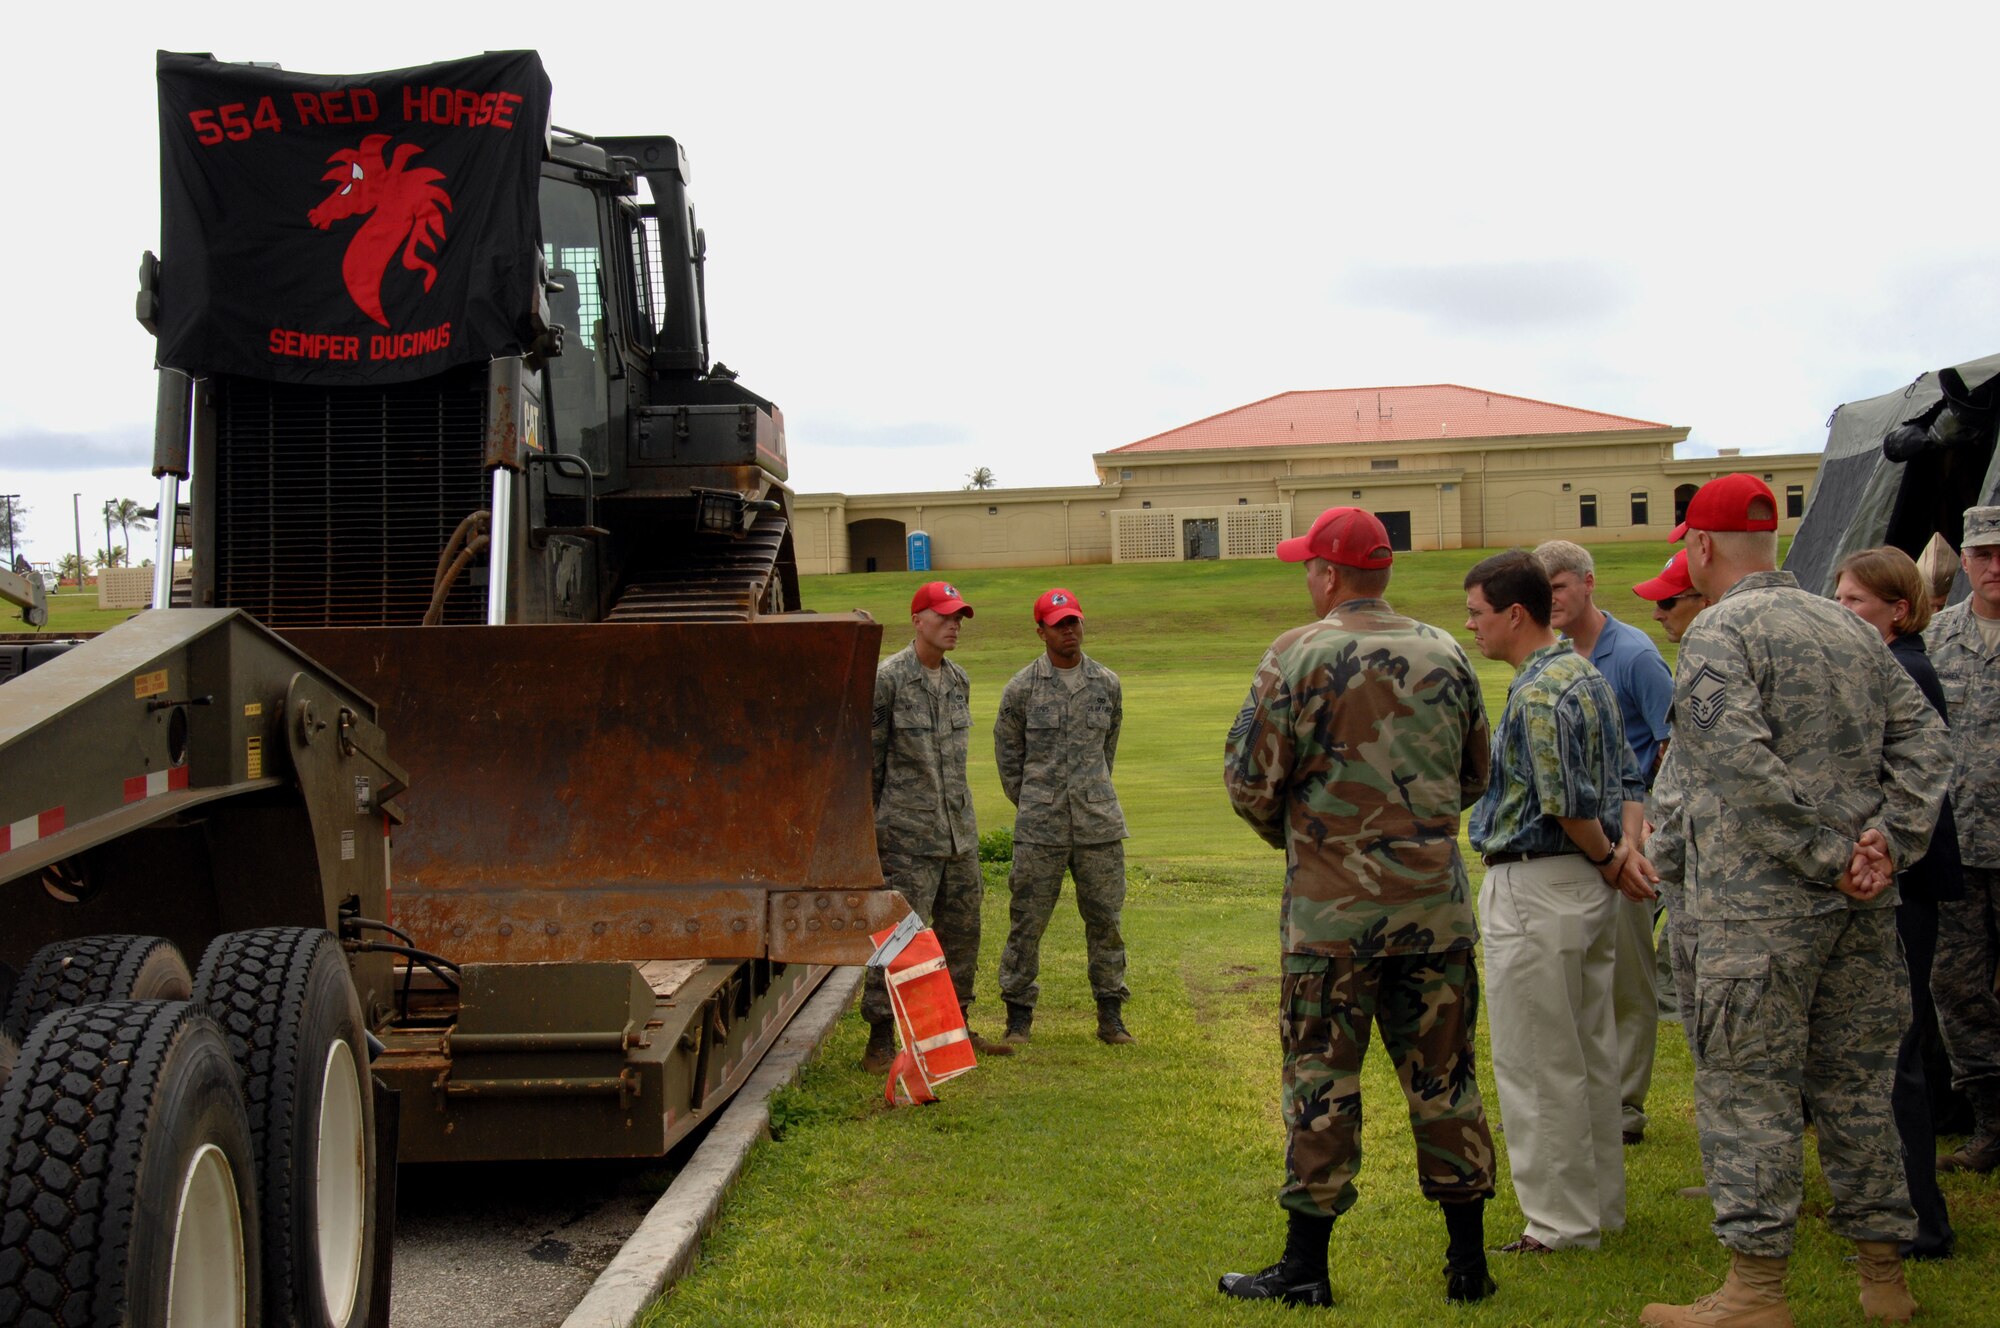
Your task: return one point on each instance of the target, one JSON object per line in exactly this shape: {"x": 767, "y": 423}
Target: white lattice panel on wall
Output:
{"x": 1253, "y": 532}
{"x": 1144, "y": 537}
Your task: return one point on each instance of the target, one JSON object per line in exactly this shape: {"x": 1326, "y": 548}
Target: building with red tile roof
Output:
{"x": 1380, "y": 417}
{"x": 1443, "y": 465}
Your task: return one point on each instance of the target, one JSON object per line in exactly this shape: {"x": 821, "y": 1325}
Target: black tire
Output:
{"x": 85, "y": 969}
{"x": 283, "y": 997}
{"x": 122, "y": 1111}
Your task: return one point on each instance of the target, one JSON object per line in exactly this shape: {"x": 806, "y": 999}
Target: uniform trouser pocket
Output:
{"x": 1731, "y": 993}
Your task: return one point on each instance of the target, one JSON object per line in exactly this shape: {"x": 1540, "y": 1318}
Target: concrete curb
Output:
{"x": 664, "y": 1247}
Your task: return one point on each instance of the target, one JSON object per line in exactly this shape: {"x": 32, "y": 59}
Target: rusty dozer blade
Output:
{"x": 631, "y": 790}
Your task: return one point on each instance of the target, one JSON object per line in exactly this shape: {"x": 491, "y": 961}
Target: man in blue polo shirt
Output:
{"x": 1644, "y": 685}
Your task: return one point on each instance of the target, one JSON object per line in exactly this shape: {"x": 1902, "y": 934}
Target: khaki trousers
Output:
{"x": 1635, "y": 1000}
{"x": 1547, "y": 928}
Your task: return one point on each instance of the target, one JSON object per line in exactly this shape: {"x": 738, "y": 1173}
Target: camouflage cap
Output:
{"x": 1982, "y": 527}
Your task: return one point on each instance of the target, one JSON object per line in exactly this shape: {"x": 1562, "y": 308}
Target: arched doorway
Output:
{"x": 1682, "y": 497}
{"x": 876, "y": 545}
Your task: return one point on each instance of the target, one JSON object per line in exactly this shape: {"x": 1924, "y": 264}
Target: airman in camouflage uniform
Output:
{"x": 1055, "y": 741}
{"x": 1675, "y": 604}
{"x": 1964, "y": 646}
{"x": 1363, "y": 737}
{"x": 924, "y": 826}
{"x": 1805, "y": 765}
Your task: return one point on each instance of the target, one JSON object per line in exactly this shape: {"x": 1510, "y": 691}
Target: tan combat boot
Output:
{"x": 1752, "y": 1296}
{"x": 1884, "y": 1293}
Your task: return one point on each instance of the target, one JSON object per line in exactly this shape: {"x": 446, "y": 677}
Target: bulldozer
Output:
{"x": 485, "y": 795}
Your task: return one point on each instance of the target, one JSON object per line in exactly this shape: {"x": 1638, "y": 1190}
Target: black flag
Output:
{"x": 329, "y": 229}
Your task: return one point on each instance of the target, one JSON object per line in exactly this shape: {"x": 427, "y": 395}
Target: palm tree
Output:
{"x": 68, "y": 569}
{"x": 108, "y": 558}
{"x": 980, "y": 479}
{"x": 126, "y": 514}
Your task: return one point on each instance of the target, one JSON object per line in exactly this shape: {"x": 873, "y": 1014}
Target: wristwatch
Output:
{"x": 1604, "y": 861}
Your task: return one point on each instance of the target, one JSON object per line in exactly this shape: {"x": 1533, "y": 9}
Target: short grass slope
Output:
{"x": 1075, "y": 1183}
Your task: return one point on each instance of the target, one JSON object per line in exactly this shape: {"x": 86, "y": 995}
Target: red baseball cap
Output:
{"x": 1056, "y": 605}
{"x": 941, "y": 596}
{"x": 1724, "y": 504}
{"x": 1349, "y": 536}
{"x": 1671, "y": 583}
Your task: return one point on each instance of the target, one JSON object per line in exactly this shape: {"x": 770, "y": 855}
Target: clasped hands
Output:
{"x": 1870, "y": 871}
{"x": 1630, "y": 873}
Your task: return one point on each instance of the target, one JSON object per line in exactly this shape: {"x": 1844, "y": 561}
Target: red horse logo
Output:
{"x": 401, "y": 205}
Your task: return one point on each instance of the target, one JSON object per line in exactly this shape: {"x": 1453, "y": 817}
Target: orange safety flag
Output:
{"x": 936, "y": 1046}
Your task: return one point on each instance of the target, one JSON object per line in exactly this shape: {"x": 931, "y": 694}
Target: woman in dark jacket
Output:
{"x": 1884, "y": 588}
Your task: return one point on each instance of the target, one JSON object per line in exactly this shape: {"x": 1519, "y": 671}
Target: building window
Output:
{"x": 1124, "y": 474}
{"x": 1639, "y": 505}
{"x": 1795, "y": 500}
{"x": 1242, "y": 502}
{"x": 1391, "y": 464}
{"x": 1586, "y": 510}
{"x": 993, "y": 511}
{"x": 1147, "y": 503}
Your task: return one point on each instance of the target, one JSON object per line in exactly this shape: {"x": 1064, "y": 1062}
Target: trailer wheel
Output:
{"x": 85, "y": 969}
{"x": 127, "y": 1174}
{"x": 283, "y": 996}
{"x": 10, "y": 1049}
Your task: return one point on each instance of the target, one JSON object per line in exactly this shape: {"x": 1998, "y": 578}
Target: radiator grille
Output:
{"x": 333, "y": 504}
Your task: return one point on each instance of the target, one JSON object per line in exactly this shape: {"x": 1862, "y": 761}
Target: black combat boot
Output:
{"x": 1110, "y": 1028}
{"x": 1300, "y": 1278}
{"x": 881, "y": 1053}
{"x": 1465, "y": 1275}
{"x": 1020, "y": 1022}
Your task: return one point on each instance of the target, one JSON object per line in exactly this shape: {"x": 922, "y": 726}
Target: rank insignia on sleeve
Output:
{"x": 1705, "y": 694}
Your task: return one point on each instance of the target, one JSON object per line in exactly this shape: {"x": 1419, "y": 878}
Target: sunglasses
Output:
{"x": 1668, "y": 603}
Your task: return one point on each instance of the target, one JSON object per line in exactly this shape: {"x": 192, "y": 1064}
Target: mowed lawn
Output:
{"x": 70, "y": 611}
{"x": 1075, "y": 1183}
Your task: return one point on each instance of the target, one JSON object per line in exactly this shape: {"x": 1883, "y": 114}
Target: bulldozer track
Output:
{"x": 721, "y": 581}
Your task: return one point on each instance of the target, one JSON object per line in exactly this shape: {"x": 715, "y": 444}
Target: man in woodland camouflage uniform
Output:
{"x": 1363, "y": 737}
{"x": 1805, "y": 766}
{"x": 1055, "y": 742}
{"x": 924, "y": 825}
{"x": 1964, "y": 646}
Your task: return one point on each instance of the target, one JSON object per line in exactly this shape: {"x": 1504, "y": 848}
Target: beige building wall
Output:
{"x": 968, "y": 528}
{"x": 1453, "y": 493}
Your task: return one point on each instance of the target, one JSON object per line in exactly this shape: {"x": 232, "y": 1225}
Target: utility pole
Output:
{"x": 107, "y": 529}
{"x": 10, "y": 499}
{"x": 76, "y": 511}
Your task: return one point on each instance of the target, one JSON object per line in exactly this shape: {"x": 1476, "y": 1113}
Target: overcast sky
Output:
{"x": 943, "y": 237}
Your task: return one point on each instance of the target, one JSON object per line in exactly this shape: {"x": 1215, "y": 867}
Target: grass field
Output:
{"x": 70, "y": 612}
{"x": 1075, "y": 1183}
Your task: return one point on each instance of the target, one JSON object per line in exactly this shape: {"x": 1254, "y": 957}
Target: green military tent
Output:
{"x": 1900, "y": 468}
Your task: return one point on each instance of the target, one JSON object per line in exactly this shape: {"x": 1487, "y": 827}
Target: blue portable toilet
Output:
{"x": 920, "y": 551}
